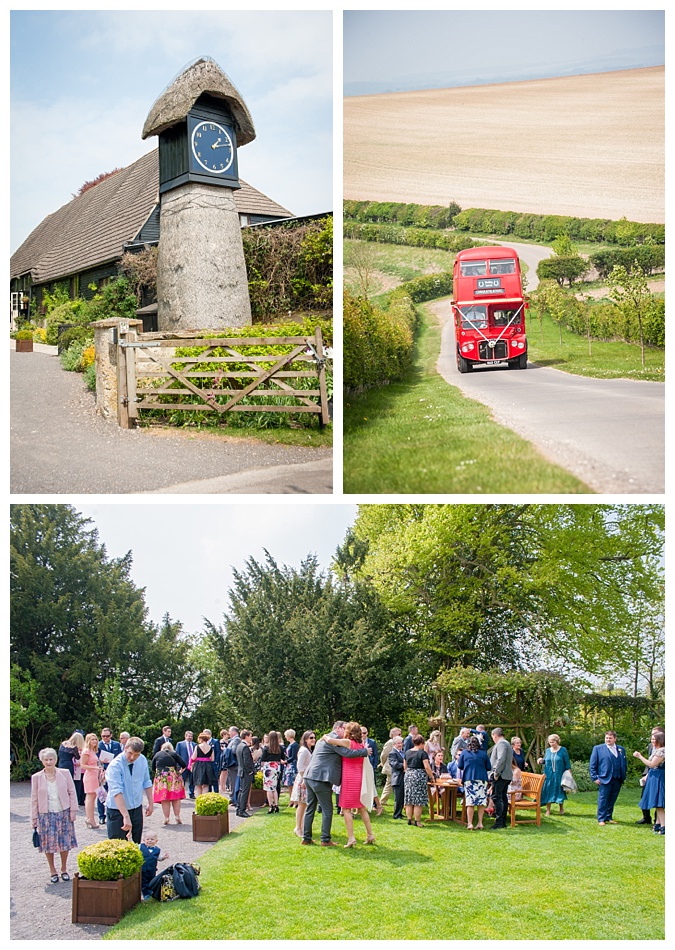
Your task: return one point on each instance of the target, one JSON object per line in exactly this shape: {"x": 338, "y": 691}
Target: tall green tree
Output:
{"x": 506, "y": 586}
{"x": 79, "y": 630}
{"x": 298, "y": 650}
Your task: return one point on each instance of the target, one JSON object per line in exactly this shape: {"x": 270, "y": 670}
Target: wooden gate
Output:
{"x": 150, "y": 374}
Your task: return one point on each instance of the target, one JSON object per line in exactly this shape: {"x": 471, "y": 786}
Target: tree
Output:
{"x": 506, "y": 586}
{"x": 296, "y": 649}
{"x": 78, "y": 629}
{"x": 632, "y": 296}
{"x": 361, "y": 255}
{"x": 563, "y": 269}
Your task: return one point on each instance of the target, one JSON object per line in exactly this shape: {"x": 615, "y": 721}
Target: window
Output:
{"x": 473, "y": 318}
{"x": 472, "y": 268}
{"x": 503, "y": 317}
{"x": 503, "y": 267}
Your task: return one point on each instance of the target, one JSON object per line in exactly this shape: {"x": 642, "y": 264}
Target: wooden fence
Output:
{"x": 151, "y": 376}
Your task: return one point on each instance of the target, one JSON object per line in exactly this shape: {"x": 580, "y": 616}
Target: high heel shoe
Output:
{"x": 351, "y": 843}
{"x": 89, "y": 824}
{"x": 370, "y": 839}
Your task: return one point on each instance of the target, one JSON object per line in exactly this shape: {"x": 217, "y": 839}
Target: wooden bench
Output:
{"x": 531, "y": 799}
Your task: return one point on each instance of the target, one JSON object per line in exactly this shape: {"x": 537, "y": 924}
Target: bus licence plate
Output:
{"x": 494, "y": 362}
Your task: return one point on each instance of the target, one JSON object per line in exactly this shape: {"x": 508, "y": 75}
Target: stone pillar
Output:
{"x": 201, "y": 273}
{"x": 105, "y": 333}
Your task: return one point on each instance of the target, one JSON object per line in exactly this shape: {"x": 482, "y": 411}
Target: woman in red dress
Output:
{"x": 352, "y": 778}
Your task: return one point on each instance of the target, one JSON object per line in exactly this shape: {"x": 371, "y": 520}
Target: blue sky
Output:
{"x": 405, "y": 47}
{"x": 190, "y": 579}
{"x": 82, "y": 83}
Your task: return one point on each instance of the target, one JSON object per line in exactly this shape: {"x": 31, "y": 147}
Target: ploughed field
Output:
{"x": 589, "y": 146}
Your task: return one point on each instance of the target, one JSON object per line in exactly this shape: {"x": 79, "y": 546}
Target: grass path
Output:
{"x": 568, "y": 879}
{"x": 424, "y": 436}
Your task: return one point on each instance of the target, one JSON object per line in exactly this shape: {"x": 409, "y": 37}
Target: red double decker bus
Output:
{"x": 488, "y": 307}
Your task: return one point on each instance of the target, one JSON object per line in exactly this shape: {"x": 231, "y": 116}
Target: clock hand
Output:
{"x": 215, "y": 144}
{"x": 224, "y": 145}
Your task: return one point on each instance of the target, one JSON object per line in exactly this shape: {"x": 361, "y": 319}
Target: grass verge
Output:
{"x": 608, "y": 359}
{"x": 568, "y": 879}
{"x": 312, "y": 437}
{"x": 424, "y": 436}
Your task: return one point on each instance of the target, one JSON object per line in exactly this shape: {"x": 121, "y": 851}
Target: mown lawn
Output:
{"x": 568, "y": 879}
{"x": 424, "y": 436}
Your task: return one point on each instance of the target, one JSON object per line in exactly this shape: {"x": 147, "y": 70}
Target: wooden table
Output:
{"x": 448, "y": 801}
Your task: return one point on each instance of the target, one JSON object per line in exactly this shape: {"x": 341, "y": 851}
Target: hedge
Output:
{"x": 378, "y": 344}
{"x": 411, "y": 237}
{"x": 409, "y": 215}
{"x": 649, "y": 257}
{"x": 547, "y": 227}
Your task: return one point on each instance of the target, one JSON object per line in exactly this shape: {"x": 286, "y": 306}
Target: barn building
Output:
{"x": 81, "y": 244}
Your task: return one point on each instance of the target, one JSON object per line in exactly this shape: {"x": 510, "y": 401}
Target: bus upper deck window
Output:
{"x": 473, "y": 268}
{"x": 502, "y": 267}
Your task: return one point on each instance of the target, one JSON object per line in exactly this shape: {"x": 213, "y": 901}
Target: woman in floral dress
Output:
{"x": 168, "y": 789}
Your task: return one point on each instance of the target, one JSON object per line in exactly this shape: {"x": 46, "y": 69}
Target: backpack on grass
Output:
{"x": 175, "y": 882}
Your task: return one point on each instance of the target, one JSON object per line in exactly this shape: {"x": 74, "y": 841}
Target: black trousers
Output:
{"x": 115, "y": 822}
{"x": 399, "y": 795}
{"x": 500, "y": 797}
{"x": 318, "y": 793}
{"x": 245, "y": 782}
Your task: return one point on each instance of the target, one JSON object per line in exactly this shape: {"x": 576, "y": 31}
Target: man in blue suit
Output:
{"x": 608, "y": 771}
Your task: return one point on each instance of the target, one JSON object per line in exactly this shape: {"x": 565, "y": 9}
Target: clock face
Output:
{"x": 212, "y": 147}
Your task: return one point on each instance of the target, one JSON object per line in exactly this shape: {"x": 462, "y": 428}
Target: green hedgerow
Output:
{"x": 109, "y": 860}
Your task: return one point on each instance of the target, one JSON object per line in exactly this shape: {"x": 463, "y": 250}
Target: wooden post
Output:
{"x": 132, "y": 409}
{"x": 122, "y": 393}
{"x": 324, "y": 418}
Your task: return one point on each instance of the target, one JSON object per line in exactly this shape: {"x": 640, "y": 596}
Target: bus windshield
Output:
{"x": 473, "y": 318}
{"x": 472, "y": 268}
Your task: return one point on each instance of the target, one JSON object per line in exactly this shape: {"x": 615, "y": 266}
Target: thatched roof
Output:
{"x": 202, "y": 76}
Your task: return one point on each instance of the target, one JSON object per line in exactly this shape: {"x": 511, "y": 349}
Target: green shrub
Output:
{"x": 90, "y": 377}
{"x": 582, "y": 776}
{"x": 211, "y": 804}
{"x": 109, "y": 860}
{"x": 378, "y": 344}
{"x": 23, "y": 770}
{"x": 73, "y": 335}
{"x": 547, "y": 227}
{"x": 72, "y": 311}
{"x": 258, "y": 780}
{"x": 71, "y": 359}
{"x": 23, "y": 335}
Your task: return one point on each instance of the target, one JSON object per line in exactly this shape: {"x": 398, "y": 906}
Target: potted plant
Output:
{"x": 24, "y": 341}
{"x": 210, "y": 819}
{"x": 258, "y": 794}
{"x": 109, "y": 882}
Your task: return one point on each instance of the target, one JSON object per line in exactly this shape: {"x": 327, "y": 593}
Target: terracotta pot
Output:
{"x": 210, "y": 827}
{"x": 104, "y": 902}
{"x": 24, "y": 346}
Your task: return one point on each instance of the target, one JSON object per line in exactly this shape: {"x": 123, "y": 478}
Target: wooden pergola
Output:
{"x": 528, "y": 705}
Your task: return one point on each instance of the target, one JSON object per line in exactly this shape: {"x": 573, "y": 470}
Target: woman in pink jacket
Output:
{"x": 53, "y": 811}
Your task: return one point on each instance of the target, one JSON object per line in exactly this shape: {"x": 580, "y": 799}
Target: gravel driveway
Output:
{"x": 40, "y": 910}
{"x": 59, "y": 444}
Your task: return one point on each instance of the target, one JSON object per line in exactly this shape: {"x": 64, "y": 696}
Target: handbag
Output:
{"x": 36, "y": 838}
{"x": 568, "y": 783}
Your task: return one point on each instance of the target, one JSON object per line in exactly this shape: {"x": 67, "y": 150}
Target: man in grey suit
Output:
{"x": 501, "y": 758}
{"x": 324, "y": 771}
{"x": 245, "y": 771}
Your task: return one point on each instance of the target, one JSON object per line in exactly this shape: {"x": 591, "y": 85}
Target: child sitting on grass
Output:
{"x": 151, "y": 855}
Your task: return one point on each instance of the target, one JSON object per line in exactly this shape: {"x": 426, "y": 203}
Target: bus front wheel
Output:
{"x": 464, "y": 366}
{"x": 519, "y": 363}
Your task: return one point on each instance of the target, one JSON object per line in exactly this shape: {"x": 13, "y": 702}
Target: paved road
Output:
{"x": 59, "y": 445}
{"x": 610, "y": 433}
